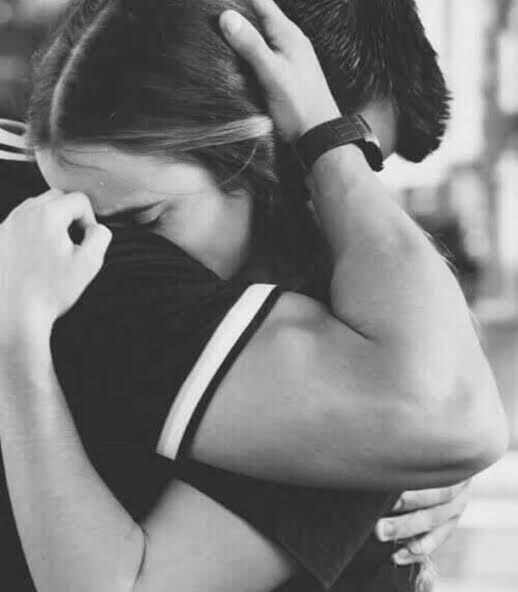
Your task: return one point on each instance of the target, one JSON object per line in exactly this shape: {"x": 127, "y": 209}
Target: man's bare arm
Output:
{"x": 389, "y": 388}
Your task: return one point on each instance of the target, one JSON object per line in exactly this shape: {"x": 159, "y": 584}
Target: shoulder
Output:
{"x": 18, "y": 181}
{"x": 148, "y": 281}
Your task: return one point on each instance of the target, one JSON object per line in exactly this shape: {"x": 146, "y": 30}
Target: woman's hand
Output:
{"x": 425, "y": 520}
{"x": 287, "y": 68}
{"x": 42, "y": 271}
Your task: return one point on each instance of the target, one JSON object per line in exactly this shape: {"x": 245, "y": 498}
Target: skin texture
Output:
{"x": 177, "y": 201}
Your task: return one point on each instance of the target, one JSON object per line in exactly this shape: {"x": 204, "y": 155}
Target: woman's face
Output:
{"x": 124, "y": 187}
{"x": 177, "y": 200}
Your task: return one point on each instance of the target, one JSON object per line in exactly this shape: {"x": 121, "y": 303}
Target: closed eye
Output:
{"x": 144, "y": 216}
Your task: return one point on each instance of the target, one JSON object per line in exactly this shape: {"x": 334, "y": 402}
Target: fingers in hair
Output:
{"x": 248, "y": 42}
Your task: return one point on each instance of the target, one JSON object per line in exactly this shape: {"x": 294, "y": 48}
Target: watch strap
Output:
{"x": 348, "y": 129}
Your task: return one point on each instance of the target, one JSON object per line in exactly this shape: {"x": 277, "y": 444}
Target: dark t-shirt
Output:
{"x": 139, "y": 359}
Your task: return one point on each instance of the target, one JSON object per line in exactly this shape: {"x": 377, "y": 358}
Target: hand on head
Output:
{"x": 286, "y": 66}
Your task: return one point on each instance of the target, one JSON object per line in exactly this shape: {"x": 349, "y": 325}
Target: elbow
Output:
{"x": 465, "y": 430}
{"x": 484, "y": 440}
{"x": 137, "y": 546}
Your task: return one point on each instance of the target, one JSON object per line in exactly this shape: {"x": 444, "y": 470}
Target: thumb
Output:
{"x": 92, "y": 250}
{"x": 248, "y": 42}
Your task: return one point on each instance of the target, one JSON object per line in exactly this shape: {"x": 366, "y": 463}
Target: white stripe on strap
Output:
{"x": 216, "y": 351}
{"x": 17, "y": 156}
{"x": 16, "y": 138}
{"x": 13, "y": 135}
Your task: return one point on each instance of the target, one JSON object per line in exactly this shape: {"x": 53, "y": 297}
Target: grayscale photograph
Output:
{"x": 258, "y": 295}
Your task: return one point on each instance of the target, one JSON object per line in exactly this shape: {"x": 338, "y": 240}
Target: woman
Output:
{"x": 57, "y": 131}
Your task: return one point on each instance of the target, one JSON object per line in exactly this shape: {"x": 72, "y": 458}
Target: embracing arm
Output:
{"x": 390, "y": 388}
{"x": 77, "y": 536}
{"x": 381, "y": 388}
{"x": 75, "y": 533}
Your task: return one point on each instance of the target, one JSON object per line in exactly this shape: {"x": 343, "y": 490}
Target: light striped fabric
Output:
{"x": 13, "y": 145}
{"x": 212, "y": 358}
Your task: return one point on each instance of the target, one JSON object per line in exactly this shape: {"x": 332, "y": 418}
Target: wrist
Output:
{"x": 315, "y": 119}
{"x": 342, "y": 131}
{"x": 25, "y": 366}
{"x": 348, "y": 160}
{"x": 25, "y": 336}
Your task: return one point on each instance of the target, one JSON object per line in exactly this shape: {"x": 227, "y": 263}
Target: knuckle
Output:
{"x": 425, "y": 546}
{"x": 49, "y": 214}
{"x": 79, "y": 197}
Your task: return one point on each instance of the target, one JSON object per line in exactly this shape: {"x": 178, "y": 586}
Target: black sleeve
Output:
{"x": 18, "y": 181}
{"x": 139, "y": 359}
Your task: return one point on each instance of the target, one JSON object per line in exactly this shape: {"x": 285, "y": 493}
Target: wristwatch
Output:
{"x": 349, "y": 129}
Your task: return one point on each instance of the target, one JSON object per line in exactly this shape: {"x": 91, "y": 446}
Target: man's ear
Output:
{"x": 382, "y": 118}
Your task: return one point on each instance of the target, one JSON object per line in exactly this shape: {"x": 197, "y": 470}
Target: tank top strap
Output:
{"x": 13, "y": 141}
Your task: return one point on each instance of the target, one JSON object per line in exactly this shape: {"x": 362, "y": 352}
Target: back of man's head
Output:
{"x": 378, "y": 49}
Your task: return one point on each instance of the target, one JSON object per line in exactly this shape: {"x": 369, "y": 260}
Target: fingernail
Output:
{"x": 402, "y": 557}
{"x": 232, "y": 22}
{"x": 415, "y": 548}
{"x": 400, "y": 504}
{"x": 387, "y": 531}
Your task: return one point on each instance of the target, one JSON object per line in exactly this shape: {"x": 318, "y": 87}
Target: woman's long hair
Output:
{"x": 157, "y": 78}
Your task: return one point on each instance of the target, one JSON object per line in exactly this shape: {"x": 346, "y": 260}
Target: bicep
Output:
{"x": 193, "y": 544}
{"x": 311, "y": 401}
{"x": 282, "y": 408}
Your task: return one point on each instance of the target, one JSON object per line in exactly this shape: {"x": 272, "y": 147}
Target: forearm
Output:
{"x": 390, "y": 284}
{"x": 75, "y": 534}
{"x": 388, "y": 278}
{"x": 403, "y": 352}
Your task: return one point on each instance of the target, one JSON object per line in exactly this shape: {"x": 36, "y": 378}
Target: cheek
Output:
{"x": 58, "y": 177}
{"x": 165, "y": 225}
{"x": 49, "y": 169}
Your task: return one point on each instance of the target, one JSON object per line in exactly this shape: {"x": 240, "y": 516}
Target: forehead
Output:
{"x": 115, "y": 181}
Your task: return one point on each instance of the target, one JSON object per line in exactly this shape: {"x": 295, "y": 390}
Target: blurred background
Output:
{"x": 466, "y": 196}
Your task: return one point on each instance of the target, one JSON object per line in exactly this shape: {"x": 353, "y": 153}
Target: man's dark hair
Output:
{"x": 379, "y": 48}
